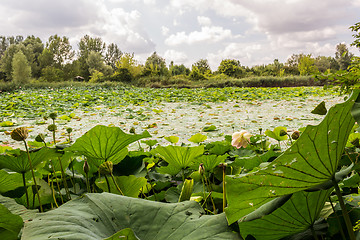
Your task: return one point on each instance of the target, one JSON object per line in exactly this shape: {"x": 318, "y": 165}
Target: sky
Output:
{"x": 254, "y": 32}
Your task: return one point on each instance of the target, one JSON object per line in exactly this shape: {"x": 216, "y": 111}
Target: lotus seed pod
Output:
{"x": 53, "y": 115}
{"x": 52, "y": 127}
{"x": 282, "y": 132}
{"x": 295, "y": 135}
{"x": 106, "y": 168}
{"x": 40, "y": 137}
{"x": 69, "y": 130}
{"x": 19, "y": 134}
{"x": 86, "y": 167}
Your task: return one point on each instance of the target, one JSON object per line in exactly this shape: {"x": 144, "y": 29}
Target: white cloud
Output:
{"x": 149, "y": 2}
{"x": 165, "y": 30}
{"x": 176, "y": 56}
{"x": 206, "y": 35}
{"x": 204, "y": 21}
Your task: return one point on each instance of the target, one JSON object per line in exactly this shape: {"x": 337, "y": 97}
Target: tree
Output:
{"x": 34, "y": 48}
{"x": 323, "y": 63}
{"x": 21, "y": 70}
{"x": 97, "y": 66}
{"x": 155, "y": 66}
{"x": 112, "y": 55}
{"x": 179, "y": 69}
{"x": 127, "y": 61}
{"x": 343, "y": 56}
{"x": 203, "y": 66}
{"x": 307, "y": 65}
{"x": 231, "y": 68}
{"x": 60, "y": 49}
{"x": 86, "y": 45}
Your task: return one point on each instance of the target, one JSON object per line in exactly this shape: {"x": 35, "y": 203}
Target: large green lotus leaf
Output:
{"x": 9, "y": 181}
{"x": 10, "y": 224}
{"x": 17, "y": 209}
{"x": 98, "y": 216}
{"x": 125, "y": 234}
{"x": 179, "y": 157}
{"x": 295, "y": 216}
{"x": 129, "y": 185}
{"x": 102, "y": 143}
{"x": 20, "y": 163}
{"x": 310, "y": 161}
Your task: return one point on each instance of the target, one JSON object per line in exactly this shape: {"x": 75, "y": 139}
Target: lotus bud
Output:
{"x": 19, "y": 134}
{"x": 69, "y": 130}
{"x": 201, "y": 169}
{"x": 106, "y": 168}
{"x": 53, "y": 115}
{"x": 355, "y": 142}
{"x": 40, "y": 137}
{"x": 52, "y": 127}
{"x": 295, "y": 135}
{"x": 282, "y": 133}
{"x": 86, "y": 167}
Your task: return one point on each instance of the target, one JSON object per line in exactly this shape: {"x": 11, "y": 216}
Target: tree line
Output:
{"x": 26, "y": 59}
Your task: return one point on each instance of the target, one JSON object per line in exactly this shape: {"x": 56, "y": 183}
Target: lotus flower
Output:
{"x": 241, "y": 139}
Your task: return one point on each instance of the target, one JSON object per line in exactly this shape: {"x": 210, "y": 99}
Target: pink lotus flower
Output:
{"x": 241, "y": 139}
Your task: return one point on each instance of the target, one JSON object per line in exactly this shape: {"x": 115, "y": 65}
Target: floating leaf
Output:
{"x": 97, "y": 216}
{"x": 310, "y": 161}
{"x": 210, "y": 128}
{"x": 172, "y": 139}
{"x": 197, "y": 138}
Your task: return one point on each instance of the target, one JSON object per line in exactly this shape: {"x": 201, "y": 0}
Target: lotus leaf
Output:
{"x": 310, "y": 161}
{"x": 98, "y": 216}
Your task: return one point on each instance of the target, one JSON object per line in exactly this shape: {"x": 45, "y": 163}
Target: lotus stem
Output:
{"x": 108, "y": 184}
{"x": 53, "y": 191}
{"x": 33, "y": 175}
{"x": 338, "y": 220}
{"x": 57, "y": 182}
{"x": 116, "y": 185}
{"x": 147, "y": 173}
{"x": 63, "y": 177}
{"x": 26, "y": 192}
{"x": 87, "y": 183}
{"x": 224, "y": 190}
{"x": 344, "y": 211}
{"x": 313, "y": 232}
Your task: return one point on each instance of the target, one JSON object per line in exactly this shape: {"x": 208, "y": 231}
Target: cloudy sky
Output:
{"x": 252, "y": 31}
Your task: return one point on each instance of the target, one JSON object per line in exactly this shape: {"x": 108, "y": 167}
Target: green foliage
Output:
{"x": 231, "y": 68}
{"x": 155, "y": 66}
{"x": 307, "y": 65}
{"x": 52, "y": 74}
{"x": 21, "y": 70}
{"x": 356, "y": 29}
